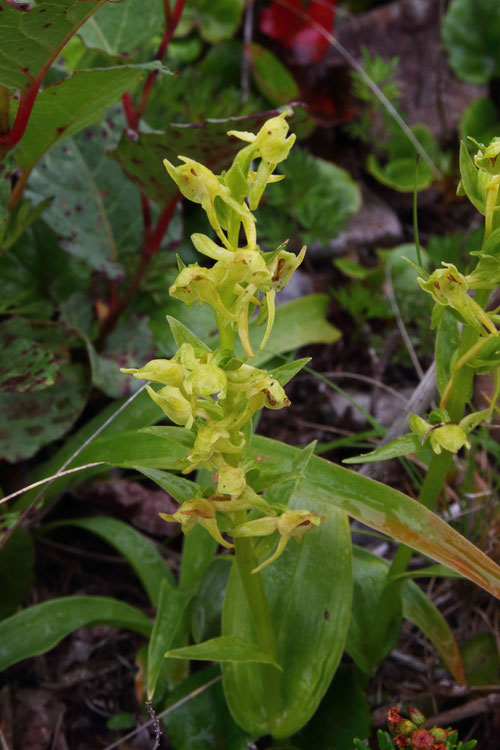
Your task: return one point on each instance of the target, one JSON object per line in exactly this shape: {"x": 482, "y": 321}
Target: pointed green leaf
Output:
{"x": 386, "y": 510}
{"x": 180, "y": 488}
{"x": 183, "y": 335}
{"x": 370, "y": 574}
{"x": 284, "y": 373}
{"x": 471, "y": 179}
{"x": 206, "y": 608}
{"x": 447, "y": 342}
{"x": 419, "y": 610}
{"x": 142, "y": 555}
{"x": 402, "y": 446}
{"x": 171, "y": 607}
{"x": 272, "y": 78}
{"x": 311, "y": 616}
{"x": 225, "y": 648}
{"x": 430, "y": 571}
{"x": 15, "y": 555}
{"x": 39, "y": 628}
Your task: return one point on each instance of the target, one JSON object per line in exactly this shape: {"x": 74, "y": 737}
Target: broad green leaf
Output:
{"x": 95, "y": 212}
{"x": 30, "y": 40}
{"x": 215, "y": 19}
{"x": 198, "y": 550}
{"x": 181, "y": 489}
{"x": 142, "y": 158}
{"x": 132, "y": 449}
{"x": 16, "y": 571}
{"x": 343, "y": 713}
{"x": 386, "y": 510}
{"x": 402, "y": 446}
{"x": 481, "y": 657}
{"x": 202, "y": 721}
{"x": 353, "y": 269}
{"x": 271, "y": 77}
{"x": 171, "y": 607}
{"x": 36, "y": 275}
{"x": 402, "y": 170}
{"x": 27, "y": 366}
{"x": 171, "y": 432}
{"x": 142, "y": 555}
{"x": 370, "y": 578}
{"x": 31, "y": 420}
{"x": 282, "y": 491}
{"x": 471, "y": 29}
{"x": 224, "y": 648}
{"x": 39, "y": 628}
{"x": 312, "y": 203}
{"x": 309, "y": 591}
{"x": 331, "y": 486}
{"x": 419, "y": 610}
{"x": 447, "y": 341}
{"x": 117, "y": 30}
{"x": 206, "y": 608}
{"x": 370, "y": 574}
{"x": 65, "y": 108}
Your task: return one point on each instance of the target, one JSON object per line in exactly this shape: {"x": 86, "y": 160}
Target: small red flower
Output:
{"x": 394, "y": 718}
{"x": 290, "y": 28}
{"x": 421, "y": 739}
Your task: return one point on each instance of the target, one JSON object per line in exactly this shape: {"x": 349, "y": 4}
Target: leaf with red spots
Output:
{"x": 95, "y": 213}
{"x": 31, "y": 37}
{"x": 65, "y": 108}
{"x": 26, "y": 365}
{"x": 291, "y": 27}
{"x": 141, "y": 157}
{"x": 30, "y": 420}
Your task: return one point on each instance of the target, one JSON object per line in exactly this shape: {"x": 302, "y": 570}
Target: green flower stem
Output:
{"x": 431, "y": 487}
{"x": 257, "y": 601}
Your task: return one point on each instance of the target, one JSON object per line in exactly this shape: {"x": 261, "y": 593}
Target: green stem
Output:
{"x": 257, "y": 601}
{"x": 431, "y": 488}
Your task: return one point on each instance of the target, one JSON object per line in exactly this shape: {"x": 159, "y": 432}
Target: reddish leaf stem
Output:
{"x": 152, "y": 236}
{"x": 149, "y": 249}
{"x": 23, "y": 113}
{"x": 171, "y": 22}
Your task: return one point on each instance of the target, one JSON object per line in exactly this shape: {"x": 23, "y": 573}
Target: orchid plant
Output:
{"x": 216, "y": 394}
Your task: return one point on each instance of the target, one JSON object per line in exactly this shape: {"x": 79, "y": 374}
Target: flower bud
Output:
{"x": 486, "y": 157}
{"x": 174, "y": 404}
{"x": 439, "y": 734}
{"x": 416, "y": 716}
{"x": 406, "y": 727}
{"x": 159, "y": 371}
{"x": 206, "y": 380}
